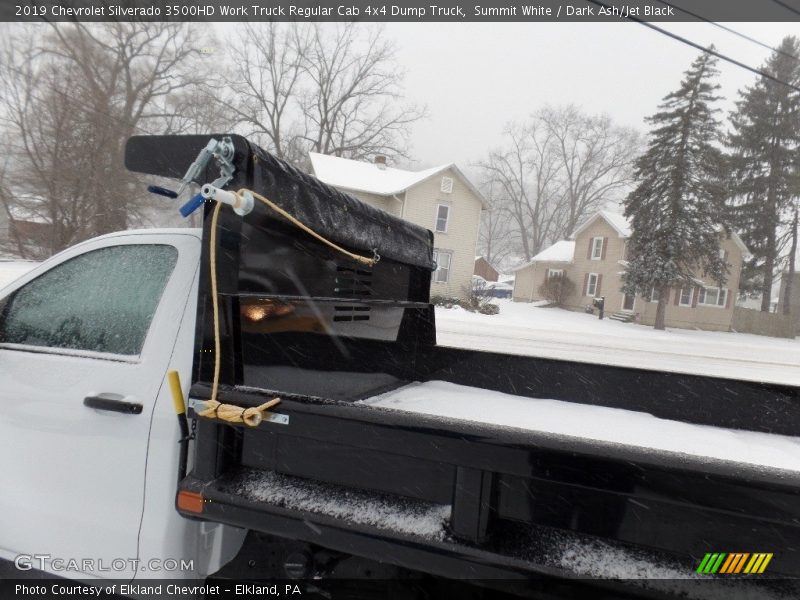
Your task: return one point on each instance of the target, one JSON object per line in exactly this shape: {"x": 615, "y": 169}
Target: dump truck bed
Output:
{"x": 471, "y": 498}
{"x": 388, "y": 446}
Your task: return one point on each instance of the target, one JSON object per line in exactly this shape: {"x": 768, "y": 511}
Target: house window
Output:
{"x": 686, "y": 296}
{"x": 447, "y": 185}
{"x": 655, "y": 294}
{"x": 555, "y": 273}
{"x": 597, "y": 248}
{"x": 442, "y": 217}
{"x": 591, "y": 284}
{"x": 443, "y": 259}
{"x": 712, "y": 296}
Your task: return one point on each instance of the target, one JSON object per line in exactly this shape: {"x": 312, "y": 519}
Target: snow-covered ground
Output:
{"x": 10, "y": 270}
{"x": 523, "y": 328}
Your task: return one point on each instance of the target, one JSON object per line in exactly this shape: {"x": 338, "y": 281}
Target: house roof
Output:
{"x": 618, "y": 221}
{"x": 561, "y": 251}
{"x": 740, "y": 244}
{"x": 622, "y": 226}
{"x": 360, "y": 176}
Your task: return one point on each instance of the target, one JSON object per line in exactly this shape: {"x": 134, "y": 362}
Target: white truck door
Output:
{"x": 85, "y": 341}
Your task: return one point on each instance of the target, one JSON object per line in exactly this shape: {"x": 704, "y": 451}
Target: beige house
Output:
{"x": 594, "y": 260}
{"x": 441, "y": 199}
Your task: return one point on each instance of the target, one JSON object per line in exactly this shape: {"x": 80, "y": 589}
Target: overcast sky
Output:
{"x": 476, "y": 77}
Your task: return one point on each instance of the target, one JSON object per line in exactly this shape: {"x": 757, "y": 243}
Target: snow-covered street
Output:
{"x": 523, "y": 328}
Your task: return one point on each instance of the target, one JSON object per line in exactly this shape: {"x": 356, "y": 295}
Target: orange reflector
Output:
{"x": 190, "y": 501}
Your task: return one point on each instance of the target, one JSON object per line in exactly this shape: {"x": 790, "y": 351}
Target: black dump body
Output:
{"x": 449, "y": 497}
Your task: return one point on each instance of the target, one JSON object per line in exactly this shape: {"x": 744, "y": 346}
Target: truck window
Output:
{"x": 102, "y": 301}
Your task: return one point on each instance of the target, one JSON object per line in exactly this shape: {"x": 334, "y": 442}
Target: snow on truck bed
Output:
{"x": 360, "y": 507}
{"x": 598, "y": 423}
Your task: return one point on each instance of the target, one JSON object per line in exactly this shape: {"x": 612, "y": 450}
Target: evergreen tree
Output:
{"x": 677, "y": 206}
{"x": 765, "y": 143}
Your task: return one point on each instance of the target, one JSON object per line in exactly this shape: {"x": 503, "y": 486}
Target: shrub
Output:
{"x": 477, "y": 299}
{"x": 487, "y": 308}
{"x": 556, "y": 289}
{"x": 445, "y": 301}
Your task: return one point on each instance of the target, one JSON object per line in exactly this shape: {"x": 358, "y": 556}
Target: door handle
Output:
{"x": 105, "y": 403}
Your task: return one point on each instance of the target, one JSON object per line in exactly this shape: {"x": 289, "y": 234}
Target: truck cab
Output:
{"x": 86, "y": 340}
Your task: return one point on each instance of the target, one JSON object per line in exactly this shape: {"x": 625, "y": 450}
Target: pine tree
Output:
{"x": 765, "y": 143}
{"x": 677, "y": 207}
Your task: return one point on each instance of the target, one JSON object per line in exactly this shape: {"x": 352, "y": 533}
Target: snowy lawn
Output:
{"x": 10, "y": 270}
{"x": 523, "y": 328}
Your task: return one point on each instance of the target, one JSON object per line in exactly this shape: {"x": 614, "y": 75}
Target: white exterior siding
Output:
{"x": 461, "y": 238}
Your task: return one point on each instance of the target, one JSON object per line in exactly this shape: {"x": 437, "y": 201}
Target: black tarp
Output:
{"x": 331, "y": 213}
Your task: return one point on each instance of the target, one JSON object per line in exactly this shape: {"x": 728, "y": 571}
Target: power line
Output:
{"x": 787, "y": 7}
{"x": 729, "y": 30}
{"x": 711, "y": 51}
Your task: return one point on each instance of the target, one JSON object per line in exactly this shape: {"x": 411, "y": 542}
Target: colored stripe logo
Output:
{"x": 734, "y": 563}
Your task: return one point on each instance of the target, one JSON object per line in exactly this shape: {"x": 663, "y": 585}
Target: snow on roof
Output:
{"x": 621, "y": 224}
{"x": 746, "y": 254}
{"x": 366, "y": 177}
{"x": 360, "y": 176}
{"x": 618, "y": 221}
{"x": 561, "y": 251}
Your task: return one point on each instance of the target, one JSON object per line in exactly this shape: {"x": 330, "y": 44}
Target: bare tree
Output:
{"x": 127, "y": 72}
{"x": 352, "y": 105}
{"x": 47, "y": 135}
{"x": 197, "y": 111}
{"x": 496, "y": 239}
{"x": 553, "y": 171}
{"x": 596, "y": 159}
{"x": 525, "y": 173}
{"x": 336, "y": 90}
{"x": 72, "y": 98}
{"x": 268, "y": 67}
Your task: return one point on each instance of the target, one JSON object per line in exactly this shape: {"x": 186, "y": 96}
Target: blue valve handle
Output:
{"x": 192, "y": 205}
{"x": 161, "y": 191}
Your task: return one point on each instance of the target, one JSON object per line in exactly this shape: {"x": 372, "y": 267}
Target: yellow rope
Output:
{"x": 236, "y": 414}
{"x": 214, "y": 300}
{"x": 370, "y": 262}
{"x": 213, "y": 409}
